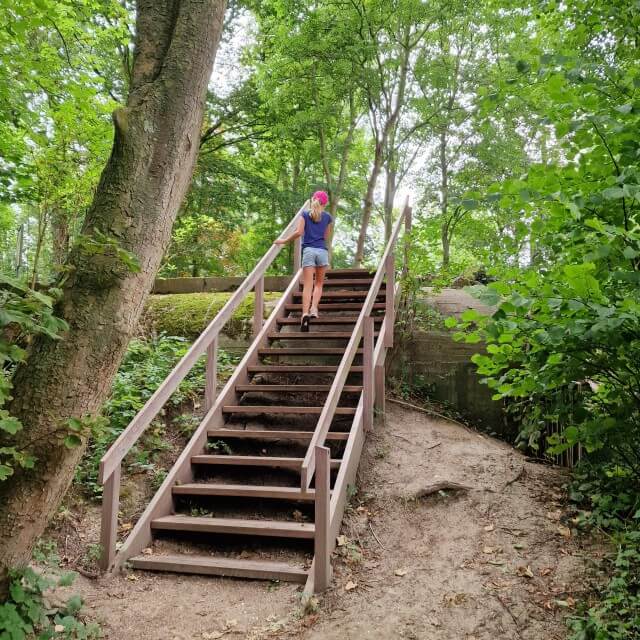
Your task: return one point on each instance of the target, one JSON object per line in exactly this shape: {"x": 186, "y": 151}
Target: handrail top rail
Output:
{"x": 121, "y": 446}
{"x": 328, "y": 410}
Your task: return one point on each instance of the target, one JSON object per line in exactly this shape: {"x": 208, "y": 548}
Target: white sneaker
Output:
{"x": 314, "y": 312}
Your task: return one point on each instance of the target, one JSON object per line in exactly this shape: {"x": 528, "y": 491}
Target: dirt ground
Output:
{"x": 490, "y": 555}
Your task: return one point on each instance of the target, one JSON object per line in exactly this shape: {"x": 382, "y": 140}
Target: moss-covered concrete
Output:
{"x": 187, "y": 314}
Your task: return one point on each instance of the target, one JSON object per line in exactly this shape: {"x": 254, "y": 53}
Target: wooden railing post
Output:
{"x": 379, "y": 383}
{"x": 367, "y": 374}
{"x": 211, "y": 375}
{"x": 297, "y": 255}
{"x": 322, "y": 550}
{"x": 258, "y": 307}
{"x": 390, "y": 269}
{"x": 109, "y": 523}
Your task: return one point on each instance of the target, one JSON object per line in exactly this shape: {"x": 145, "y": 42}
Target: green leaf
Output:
{"x": 5, "y": 472}
{"x": 10, "y": 425}
{"x": 72, "y": 441}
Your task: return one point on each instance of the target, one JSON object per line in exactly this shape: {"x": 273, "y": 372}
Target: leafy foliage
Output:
{"x": 27, "y": 614}
{"x": 145, "y": 366}
{"x": 23, "y": 313}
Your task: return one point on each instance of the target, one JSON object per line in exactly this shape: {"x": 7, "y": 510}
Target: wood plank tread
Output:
{"x": 311, "y": 335}
{"x": 336, "y": 295}
{"x": 228, "y": 567}
{"x": 254, "y": 461}
{"x": 235, "y": 408}
{"x": 294, "y": 388}
{"x": 302, "y": 351}
{"x": 271, "y": 434}
{"x": 326, "y": 320}
{"x": 271, "y": 528}
{"x": 298, "y": 368}
{"x": 243, "y": 491}
{"x": 348, "y": 282}
{"x": 336, "y": 306}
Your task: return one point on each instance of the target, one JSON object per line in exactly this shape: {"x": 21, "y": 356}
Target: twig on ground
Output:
{"x": 433, "y": 446}
{"x": 430, "y": 412}
{"x": 395, "y": 435}
{"x": 445, "y": 485}
{"x": 508, "y": 610}
{"x": 376, "y": 537}
{"x": 514, "y": 479}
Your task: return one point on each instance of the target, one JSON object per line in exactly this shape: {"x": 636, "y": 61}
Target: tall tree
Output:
{"x": 156, "y": 141}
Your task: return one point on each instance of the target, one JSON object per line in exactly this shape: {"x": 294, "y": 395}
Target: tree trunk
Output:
{"x": 60, "y": 237}
{"x": 136, "y": 202}
{"x": 444, "y": 200}
{"x": 368, "y": 204}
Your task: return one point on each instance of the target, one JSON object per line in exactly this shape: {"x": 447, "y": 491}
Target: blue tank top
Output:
{"x": 314, "y": 231}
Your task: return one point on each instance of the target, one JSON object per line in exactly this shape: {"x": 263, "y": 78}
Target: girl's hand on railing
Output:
{"x": 279, "y": 242}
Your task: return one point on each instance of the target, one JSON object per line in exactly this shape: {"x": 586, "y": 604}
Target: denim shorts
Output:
{"x": 313, "y": 257}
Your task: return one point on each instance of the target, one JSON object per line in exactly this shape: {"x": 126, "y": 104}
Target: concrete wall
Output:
{"x": 434, "y": 360}
{"x": 217, "y": 283}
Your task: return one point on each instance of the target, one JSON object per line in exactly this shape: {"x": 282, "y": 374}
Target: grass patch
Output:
{"x": 188, "y": 314}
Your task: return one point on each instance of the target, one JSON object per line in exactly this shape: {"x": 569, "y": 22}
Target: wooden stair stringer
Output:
{"x": 162, "y": 504}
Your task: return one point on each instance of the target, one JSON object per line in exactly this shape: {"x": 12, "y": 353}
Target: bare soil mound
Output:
{"x": 452, "y": 535}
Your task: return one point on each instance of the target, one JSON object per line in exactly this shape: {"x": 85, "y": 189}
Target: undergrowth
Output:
{"x": 611, "y": 503}
{"x": 29, "y": 612}
{"x": 144, "y": 367}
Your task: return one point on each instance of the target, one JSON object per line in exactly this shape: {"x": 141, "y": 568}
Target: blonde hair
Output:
{"x": 316, "y": 209}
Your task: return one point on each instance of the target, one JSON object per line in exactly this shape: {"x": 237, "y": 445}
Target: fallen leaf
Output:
{"x": 350, "y": 586}
{"x": 565, "y": 532}
{"x": 148, "y": 551}
{"x": 132, "y": 578}
{"x": 496, "y": 563}
{"x": 342, "y": 540}
{"x": 525, "y": 572}
{"x": 230, "y": 624}
{"x": 519, "y": 546}
{"x": 488, "y": 550}
{"x": 126, "y": 526}
{"x": 546, "y": 571}
{"x": 298, "y": 516}
{"x": 400, "y": 572}
{"x": 489, "y": 528}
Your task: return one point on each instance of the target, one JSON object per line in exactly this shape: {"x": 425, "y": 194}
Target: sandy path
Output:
{"x": 491, "y": 561}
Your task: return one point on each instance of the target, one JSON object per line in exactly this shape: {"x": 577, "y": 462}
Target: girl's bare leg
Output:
{"x": 317, "y": 289}
{"x": 307, "y": 288}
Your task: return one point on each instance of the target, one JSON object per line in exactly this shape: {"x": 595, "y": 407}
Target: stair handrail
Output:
{"x": 119, "y": 449}
{"x": 110, "y": 464}
{"x": 386, "y": 267}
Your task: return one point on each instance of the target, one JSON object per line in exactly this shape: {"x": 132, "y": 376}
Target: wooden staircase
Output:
{"x": 261, "y": 487}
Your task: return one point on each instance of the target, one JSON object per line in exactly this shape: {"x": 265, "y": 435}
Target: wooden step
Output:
{"x": 235, "y": 526}
{"x": 349, "y": 273}
{"x": 348, "y": 282}
{"x": 228, "y": 567}
{"x": 254, "y": 461}
{"x": 337, "y": 295}
{"x": 294, "y": 388}
{"x": 336, "y": 306}
{"x": 311, "y": 335}
{"x": 233, "y": 408}
{"x": 270, "y": 434}
{"x": 244, "y": 491}
{"x": 301, "y": 351}
{"x": 297, "y": 368}
{"x": 326, "y": 320}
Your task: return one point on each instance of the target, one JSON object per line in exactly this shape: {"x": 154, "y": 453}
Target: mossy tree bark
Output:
{"x": 156, "y": 141}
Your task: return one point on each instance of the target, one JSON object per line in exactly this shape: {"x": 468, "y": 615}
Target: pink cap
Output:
{"x": 321, "y": 197}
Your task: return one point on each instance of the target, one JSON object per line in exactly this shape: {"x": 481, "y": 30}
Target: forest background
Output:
{"x": 512, "y": 126}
